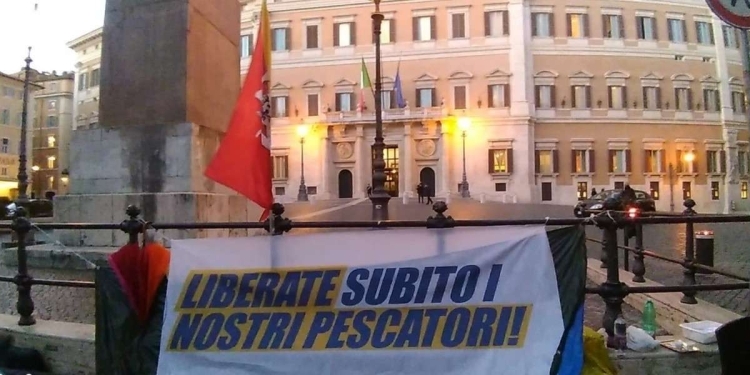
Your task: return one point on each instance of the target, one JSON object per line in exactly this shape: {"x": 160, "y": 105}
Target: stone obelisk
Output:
{"x": 169, "y": 79}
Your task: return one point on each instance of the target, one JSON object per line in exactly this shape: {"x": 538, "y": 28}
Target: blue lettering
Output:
{"x": 208, "y": 291}
{"x": 410, "y": 331}
{"x": 185, "y": 331}
{"x": 357, "y": 289}
{"x": 492, "y": 283}
{"x": 433, "y": 318}
{"x": 465, "y": 284}
{"x": 454, "y": 331}
{"x": 480, "y": 333}
{"x": 287, "y": 294}
{"x": 230, "y": 340}
{"x": 424, "y": 285}
{"x": 188, "y": 300}
{"x": 322, "y": 322}
{"x": 224, "y": 294}
{"x": 326, "y": 285}
{"x": 502, "y": 326}
{"x": 309, "y": 277}
{"x": 339, "y": 327}
{"x": 403, "y": 286}
{"x": 519, "y": 315}
{"x": 264, "y": 291}
{"x": 244, "y": 290}
{"x": 209, "y": 331}
{"x": 256, "y": 321}
{"x": 362, "y": 328}
{"x": 381, "y": 339}
{"x": 275, "y": 330}
{"x": 291, "y": 337}
{"x": 379, "y": 286}
{"x": 444, "y": 273}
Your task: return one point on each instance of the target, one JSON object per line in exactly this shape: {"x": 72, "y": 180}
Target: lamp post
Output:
{"x": 687, "y": 157}
{"x": 464, "y": 124}
{"x": 302, "y": 132}
{"x": 23, "y": 178}
{"x": 379, "y": 196}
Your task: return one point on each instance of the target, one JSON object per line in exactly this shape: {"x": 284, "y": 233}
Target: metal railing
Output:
{"x": 613, "y": 290}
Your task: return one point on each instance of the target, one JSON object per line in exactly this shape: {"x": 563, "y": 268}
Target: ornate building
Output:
{"x": 558, "y": 98}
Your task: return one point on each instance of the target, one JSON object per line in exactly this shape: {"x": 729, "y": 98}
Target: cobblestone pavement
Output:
{"x": 77, "y": 305}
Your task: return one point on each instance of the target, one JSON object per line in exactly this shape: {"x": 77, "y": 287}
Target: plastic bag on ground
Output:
{"x": 596, "y": 359}
{"x": 640, "y": 341}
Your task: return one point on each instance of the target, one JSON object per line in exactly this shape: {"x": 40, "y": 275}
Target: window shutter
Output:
{"x": 606, "y": 26}
{"x": 418, "y": 99}
{"x": 392, "y": 94}
{"x": 274, "y": 42}
{"x": 312, "y": 36}
{"x": 690, "y": 99}
{"x": 609, "y": 97}
{"x": 572, "y": 96}
{"x": 705, "y": 100}
{"x": 645, "y": 162}
{"x": 718, "y": 100}
{"x": 611, "y": 161}
{"x": 353, "y": 33}
{"x": 392, "y": 29}
{"x": 415, "y": 28}
{"x": 677, "y": 103}
{"x": 337, "y": 105}
{"x": 555, "y": 161}
{"x": 592, "y": 161}
{"x": 723, "y": 161}
{"x": 456, "y": 25}
{"x": 670, "y": 34}
{"x": 434, "y": 97}
{"x": 553, "y": 95}
{"x": 551, "y": 18}
{"x": 506, "y": 92}
{"x": 569, "y": 24}
{"x": 433, "y": 30}
{"x": 490, "y": 98}
{"x": 624, "y": 97}
{"x": 288, "y": 39}
{"x": 487, "y": 26}
{"x": 490, "y": 161}
{"x": 663, "y": 166}
{"x": 711, "y": 33}
{"x": 656, "y": 28}
{"x": 286, "y": 167}
{"x": 506, "y": 23}
{"x": 622, "y": 27}
{"x": 639, "y": 27}
{"x": 628, "y": 161}
{"x": 573, "y": 161}
{"x": 537, "y": 96}
{"x": 287, "y": 106}
{"x": 336, "y": 38}
{"x": 312, "y": 104}
{"x": 695, "y": 164}
{"x": 679, "y": 161}
{"x": 588, "y": 96}
{"x": 658, "y": 97}
{"x": 586, "y": 29}
{"x": 509, "y": 153}
{"x": 537, "y": 164}
{"x": 534, "y": 31}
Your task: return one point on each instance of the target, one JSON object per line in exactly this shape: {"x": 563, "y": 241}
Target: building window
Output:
{"x": 423, "y": 28}
{"x": 582, "y": 190}
{"x": 730, "y": 36}
{"x": 581, "y": 97}
{"x": 645, "y": 26}
{"x": 388, "y": 99}
{"x": 546, "y": 161}
{"x": 542, "y": 25}
{"x": 619, "y": 161}
{"x": 545, "y": 96}
{"x": 280, "y": 106}
{"x": 5, "y": 146}
{"x": 676, "y": 30}
{"x": 715, "y": 161}
{"x": 94, "y": 78}
{"x": 578, "y": 25}
{"x": 683, "y": 97}
{"x": 82, "y": 81}
{"x": 715, "y": 190}
{"x": 583, "y": 161}
{"x": 738, "y": 102}
{"x": 652, "y": 98}
{"x": 682, "y": 165}
{"x": 459, "y": 97}
{"x": 654, "y": 187}
{"x": 5, "y": 118}
{"x": 498, "y": 96}
{"x": 617, "y": 96}
{"x": 614, "y": 28}
{"x": 344, "y": 101}
{"x": 51, "y": 183}
{"x": 281, "y": 39}
{"x": 426, "y": 98}
{"x": 246, "y": 45}
{"x": 687, "y": 190}
{"x": 654, "y": 161}
{"x": 743, "y": 190}
{"x": 311, "y": 37}
{"x": 546, "y": 191}
{"x": 51, "y": 104}
{"x": 51, "y": 162}
{"x": 279, "y": 190}
{"x": 742, "y": 162}
{"x": 458, "y": 25}
{"x": 4, "y": 171}
{"x": 711, "y": 100}
{"x": 51, "y": 141}
{"x": 280, "y": 167}
{"x": 500, "y": 161}
{"x": 19, "y": 119}
{"x": 619, "y": 185}
{"x": 9, "y": 92}
{"x": 501, "y": 186}
{"x": 704, "y": 32}
{"x": 51, "y": 121}
{"x": 344, "y": 34}
{"x": 496, "y": 23}
{"x": 313, "y": 104}
{"x": 387, "y": 32}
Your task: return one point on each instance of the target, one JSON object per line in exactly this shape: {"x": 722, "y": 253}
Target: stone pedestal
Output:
{"x": 169, "y": 80}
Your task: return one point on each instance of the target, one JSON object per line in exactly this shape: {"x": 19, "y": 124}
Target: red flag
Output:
{"x": 243, "y": 161}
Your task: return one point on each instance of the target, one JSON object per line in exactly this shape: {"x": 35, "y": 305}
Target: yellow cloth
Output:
{"x": 596, "y": 359}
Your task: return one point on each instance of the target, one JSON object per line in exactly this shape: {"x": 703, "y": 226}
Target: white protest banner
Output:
{"x": 417, "y": 302}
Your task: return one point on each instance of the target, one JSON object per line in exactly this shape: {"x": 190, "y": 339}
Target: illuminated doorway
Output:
{"x": 390, "y": 156}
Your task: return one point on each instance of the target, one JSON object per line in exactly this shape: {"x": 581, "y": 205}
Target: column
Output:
{"x": 359, "y": 168}
{"x": 731, "y": 188}
{"x": 325, "y": 162}
{"x": 408, "y": 162}
{"x": 445, "y": 172}
{"x": 520, "y": 59}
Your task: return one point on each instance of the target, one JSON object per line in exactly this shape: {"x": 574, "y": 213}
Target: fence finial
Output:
{"x": 281, "y": 224}
{"x": 440, "y": 220}
{"x": 133, "y": 225}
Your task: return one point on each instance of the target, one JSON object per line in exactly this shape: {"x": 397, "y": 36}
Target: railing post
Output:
{"x": 612, "y": 290}
{"x": 688, "y": 297}
{"x": 604, "y": 257}
{"x": 625, "y": 252}
{"x": 281, "y": 224}
{"x": 440, "y": 220}
{"x": 639, "y": 265}
{"x": 134, "y": 225}
{"x": 25, "y": 305}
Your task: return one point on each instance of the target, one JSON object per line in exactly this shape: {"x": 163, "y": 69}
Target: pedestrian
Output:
{"x": 420, "y": 192}
{"x": 593, "y": 192}
{"x": 427, "y": 193}
{"x": 627, "y": 197}
{"x": 369, "y": 190}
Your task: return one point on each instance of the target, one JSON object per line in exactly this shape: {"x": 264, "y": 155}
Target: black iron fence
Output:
{"x": 610, "y": 221}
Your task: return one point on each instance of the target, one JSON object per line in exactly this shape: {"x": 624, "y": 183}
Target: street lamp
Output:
{"x": 302, "y": 132}
{"x": 464, "y": 123}
{"x": 379, "y": 196}
{"x": 23, "y": 178}
{"x": 687, "y": 157}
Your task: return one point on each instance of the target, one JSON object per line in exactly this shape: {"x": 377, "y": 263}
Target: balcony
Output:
{"x": 389, "y": 115}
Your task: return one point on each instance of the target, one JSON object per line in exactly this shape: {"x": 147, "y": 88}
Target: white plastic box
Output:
{"x": 703, "y": 331}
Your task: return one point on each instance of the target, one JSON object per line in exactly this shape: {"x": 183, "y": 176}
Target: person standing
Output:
{"x": 420, "y": 192}
{"x": 369, "y": 190}
{"x": 593, "y": 192}
{"x": 427, "y": 193}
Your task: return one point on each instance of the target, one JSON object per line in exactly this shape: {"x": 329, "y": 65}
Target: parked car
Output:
{"x": 34, "y": 207}
{"x": 643, "y": 200}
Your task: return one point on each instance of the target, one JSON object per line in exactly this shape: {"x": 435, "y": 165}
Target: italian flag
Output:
{"x": 364, "y": 82}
